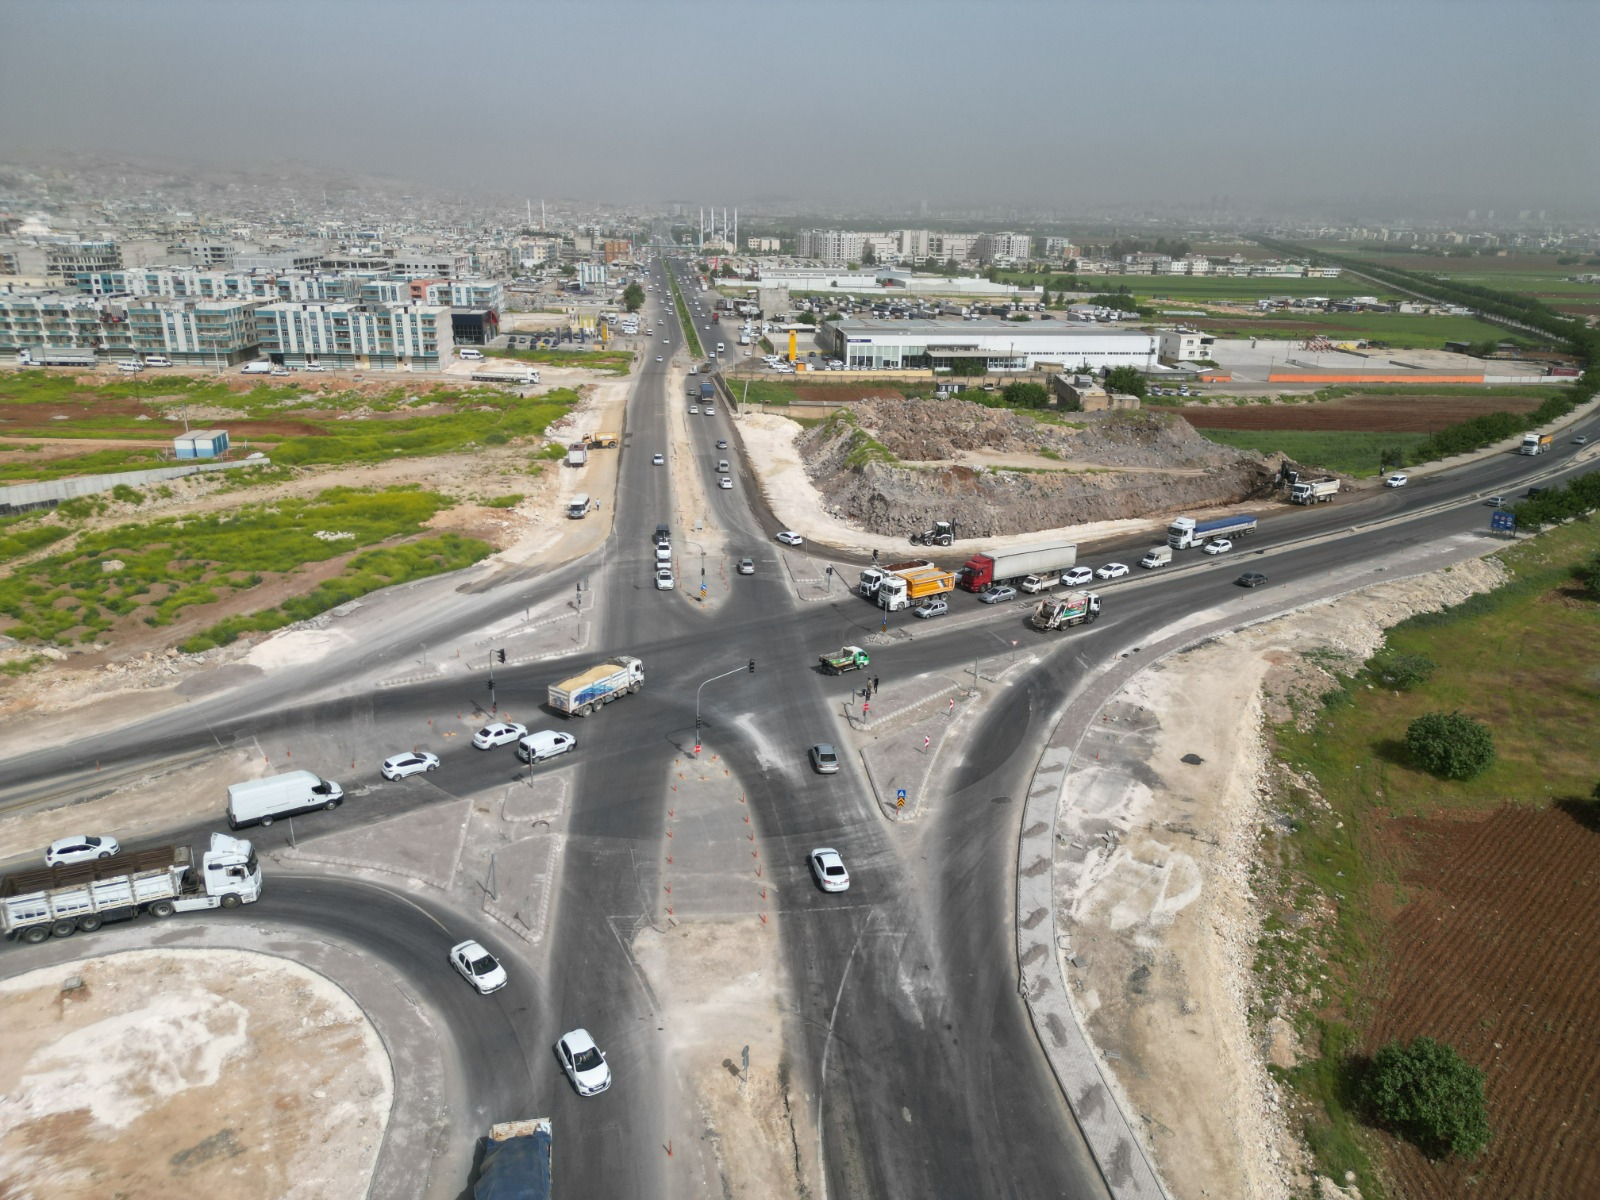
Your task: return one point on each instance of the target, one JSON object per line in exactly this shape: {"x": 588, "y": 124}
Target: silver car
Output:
{"x": 824, "y": 759}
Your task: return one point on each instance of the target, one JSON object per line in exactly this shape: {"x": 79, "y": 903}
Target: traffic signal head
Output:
{"x": 752, "y": 666}
{"x": 501, "y": 655}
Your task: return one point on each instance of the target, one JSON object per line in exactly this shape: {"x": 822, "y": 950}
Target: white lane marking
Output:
{"x": 827, "y": 1045}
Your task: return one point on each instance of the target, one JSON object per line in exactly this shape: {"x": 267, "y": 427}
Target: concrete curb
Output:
{"x": 1093, "y": 1098}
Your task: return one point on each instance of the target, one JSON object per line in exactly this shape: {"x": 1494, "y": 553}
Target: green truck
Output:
{"x": 848, "y": 658}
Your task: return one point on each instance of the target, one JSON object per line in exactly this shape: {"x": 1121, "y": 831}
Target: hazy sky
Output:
{"x": 1441, "y": 107}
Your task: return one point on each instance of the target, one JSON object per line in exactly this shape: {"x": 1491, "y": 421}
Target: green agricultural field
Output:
{"x": 176, "y": 563}
{"x": 1157, "y": 290}
{"x": 17, "y": 466}
{"x": 613, "y": 362}
{"x": 1402, "y": 331}
{"x": 1350, "y": 453}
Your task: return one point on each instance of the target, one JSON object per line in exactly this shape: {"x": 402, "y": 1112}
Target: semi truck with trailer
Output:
{"x": 1187, "y": 531}
{"x": 517, "y": 1161}
{"x": 44, "y": 902}
{"x": 1061, "y": 612}
{"x": 589, "y": 691}
{"x": 902, "y": 589}
{"x": 263, "y": 801}
{"x": 1011, "y": 566}
{"x": 847, "y": 658}
{"x": 56, "y": 356}
{"x": 872, "y": 578}
{"x": 1537, "y": 443}
{"x": 1314, "y": 491}
{"x": 525, "y": 378}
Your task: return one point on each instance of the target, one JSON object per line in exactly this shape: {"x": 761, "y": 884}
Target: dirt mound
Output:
{"x": 887, "y": 465}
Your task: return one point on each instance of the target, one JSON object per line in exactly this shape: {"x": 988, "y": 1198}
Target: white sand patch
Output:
{"x": 295, "y": 648}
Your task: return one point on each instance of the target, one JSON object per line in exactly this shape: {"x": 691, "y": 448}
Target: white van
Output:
{"x": 157, "y": 360}
{"x": 578, "y": 506}
{"x": 262, "y": 801}
{"x": 476, "y": 355}
{"x": 256, "y": 368}
{"x": 542, "y": 744}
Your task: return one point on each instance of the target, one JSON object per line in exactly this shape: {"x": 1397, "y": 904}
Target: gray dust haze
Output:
{"x": 1439, "y": 106}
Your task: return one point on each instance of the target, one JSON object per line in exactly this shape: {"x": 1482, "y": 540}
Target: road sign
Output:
{"x": 1503, "y": 522}
{"x": 900, "y": 795}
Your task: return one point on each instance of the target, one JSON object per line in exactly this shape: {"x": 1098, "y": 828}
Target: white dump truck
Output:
{"x": 45, "y": 902}
{"x": 588, "y": 691}
{"x": 1314, "y": 491}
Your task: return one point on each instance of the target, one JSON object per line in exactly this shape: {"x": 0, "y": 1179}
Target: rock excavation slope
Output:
{"x": 892, "y": 465}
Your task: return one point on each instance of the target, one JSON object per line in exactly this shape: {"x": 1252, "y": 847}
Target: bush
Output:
{"x": 1589, "y": 575}
{"x": 1450, "y": 745}
{"x": 1403, "y": 671}
{"x": 1026, "y": 395}
{"x": 1127, "y": 380}
{"x": 1429, "y": 1094}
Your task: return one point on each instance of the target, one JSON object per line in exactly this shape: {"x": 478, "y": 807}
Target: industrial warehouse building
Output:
{"x": 1001, "y": 345}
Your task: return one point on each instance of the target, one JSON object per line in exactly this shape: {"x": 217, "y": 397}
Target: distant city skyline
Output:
{"x": 1423, "y": 109}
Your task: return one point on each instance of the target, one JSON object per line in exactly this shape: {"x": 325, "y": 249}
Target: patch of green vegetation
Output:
{"x": 365, "y": 573}
{"x": 176, "y": 563}
{"x": 550, "y": 452}
{"x": 101, "y": 462}
{"x": 614, "y": 362}
{"x": 492, "y": 412}
{"x": 16, "y": 667}
{"x": 508, "y": 501}
{"x": 1524, "y": 660}
{"x": 25, "y": 534}
{"x": 862, "y": 447}
{"x": 1350, "y": 453}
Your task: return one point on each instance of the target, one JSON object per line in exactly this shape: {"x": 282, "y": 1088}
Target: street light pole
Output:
{"x": 750, "y": 666}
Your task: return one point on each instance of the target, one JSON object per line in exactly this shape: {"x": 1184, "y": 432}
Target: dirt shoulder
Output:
{"x": 1164, "y": 915}
{"x": 158, "y": 1072}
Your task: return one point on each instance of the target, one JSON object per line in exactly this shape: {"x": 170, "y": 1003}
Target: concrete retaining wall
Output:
{"x": 33, "y": 495}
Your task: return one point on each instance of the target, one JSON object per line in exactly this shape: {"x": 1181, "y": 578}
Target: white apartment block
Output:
{"x": 831, "y": 245}
{"x": 1059, "y": 247}
{"x": 762, "y": 245}
{"x": 913, "y": 245}
{"x": 413, "y": 337}
{"x": 952, "y": 247}
{"x": 1003, "y": 247}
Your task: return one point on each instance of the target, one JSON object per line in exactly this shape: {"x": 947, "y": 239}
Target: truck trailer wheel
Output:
{"x": 63, "y": 928}
{"x": 89, "y": 923}
{"x": 162, "y": 908}
{"x": 231, "y": 900}
{"x": 34, "y": 934}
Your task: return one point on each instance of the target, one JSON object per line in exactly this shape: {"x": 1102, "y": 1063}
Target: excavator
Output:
{"x": 942, "y": 534}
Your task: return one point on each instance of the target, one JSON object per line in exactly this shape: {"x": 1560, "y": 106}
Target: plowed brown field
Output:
{"x": 1498, "y": 953}
{"x": 1365, "y": 414}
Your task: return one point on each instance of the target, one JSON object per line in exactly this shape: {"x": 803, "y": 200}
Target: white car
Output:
{"x": 1217, "y": 546}
{"x": 584, "y": 1062}
{"x": 828, "y": 868}
{"x": 711, "y": 410}
{"x": 499, "y": 733}
{"x": 1112, "y": 571}
{"x": 1076, "y": 576}
{"x": 725, "y": 484}
{"x": 789, "y": 538}
{"x": 665, "y": 581}
{"x": 658, "y": 358}
{"x": 658, "y": 460}
{"x": 313, "y": 367}
{"x": 399, "y": 766}
{"x": 478, "y": 967}
{"x": 1396, "y": 480}
{"x": 80, "y": 847}
{"x": 694, "y": 410}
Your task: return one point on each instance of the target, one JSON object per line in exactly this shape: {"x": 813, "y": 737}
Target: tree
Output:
{"x": 1026, "y": 395}
{"x": 1403, "y": 671}
{"x": 1429, "y": 1094}
{"x": 1450, "y": 745}
{"x": 1589, "y": 573}
{"x": 633, "y": 297}
{"x": 969, "y": 366}
{"x": 808, "y": 318}
{"x": 835, "y": 315}
{"x": 1125, "y": 379}
{"x": 1122, "y": 300}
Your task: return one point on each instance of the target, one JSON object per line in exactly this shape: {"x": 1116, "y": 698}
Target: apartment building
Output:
{"x": 200, "y": 332}
{"x": 1003, "y": 247}
{"x": 952, "y": 247}
{"x": 63, "y": 260}
{"x": 831, "y": 245}
{"x": 414, "y": 337}
{"x": 50, "y": 319}
{"x": 1059, "y": 247}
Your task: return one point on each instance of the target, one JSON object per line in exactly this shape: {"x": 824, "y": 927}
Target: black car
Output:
{"x": 1251, "y": 579}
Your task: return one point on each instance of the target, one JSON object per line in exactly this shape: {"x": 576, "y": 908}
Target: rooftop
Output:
{"x": 1018, "y": 330}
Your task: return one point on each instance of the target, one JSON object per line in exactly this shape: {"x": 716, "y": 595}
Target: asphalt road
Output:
{"x": 928, "y": 1076}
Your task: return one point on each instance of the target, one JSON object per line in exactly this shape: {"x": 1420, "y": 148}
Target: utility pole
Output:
{"x": 750, "y": 666}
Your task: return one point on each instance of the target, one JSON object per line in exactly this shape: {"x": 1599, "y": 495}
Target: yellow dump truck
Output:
{"x": 601, "y": 441}
{"x": 905, "y": 588}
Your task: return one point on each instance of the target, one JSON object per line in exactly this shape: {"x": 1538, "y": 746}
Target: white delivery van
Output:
{"x": 471, "y": 354}
{"x": 544, "y": 743}
{"x": 256, "y": 368}
{"x": 578, "y": 506}
{"x": 262, "y": 801}
{"x": 157, "y": 360}
{"x": 1159, "y": 556}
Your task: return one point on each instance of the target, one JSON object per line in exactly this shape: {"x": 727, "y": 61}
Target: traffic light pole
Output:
{"x": 751, "y": 666}
{"x": 493, "y": 655}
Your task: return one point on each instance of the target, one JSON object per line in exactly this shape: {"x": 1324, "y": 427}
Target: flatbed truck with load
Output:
{"x": 1060, "y": 612}
{"x": 517, "y": 1161}
{"x": 1186, "y": 531}
{"x": 45, "y": 902}
{"x": 847, "y": 658}
{"x": 1536, "y": 443}
{"x": 872, "y": 578}
{"x": 1012, "y": 566}
{"x": 1314, "y": 491}
{"x": 905, "y": 588}
{"x": 589, "y": 691}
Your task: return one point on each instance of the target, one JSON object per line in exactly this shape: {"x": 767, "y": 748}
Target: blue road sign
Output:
{"x": 1503, "y": 522}
{"x": 900, "y": 794}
